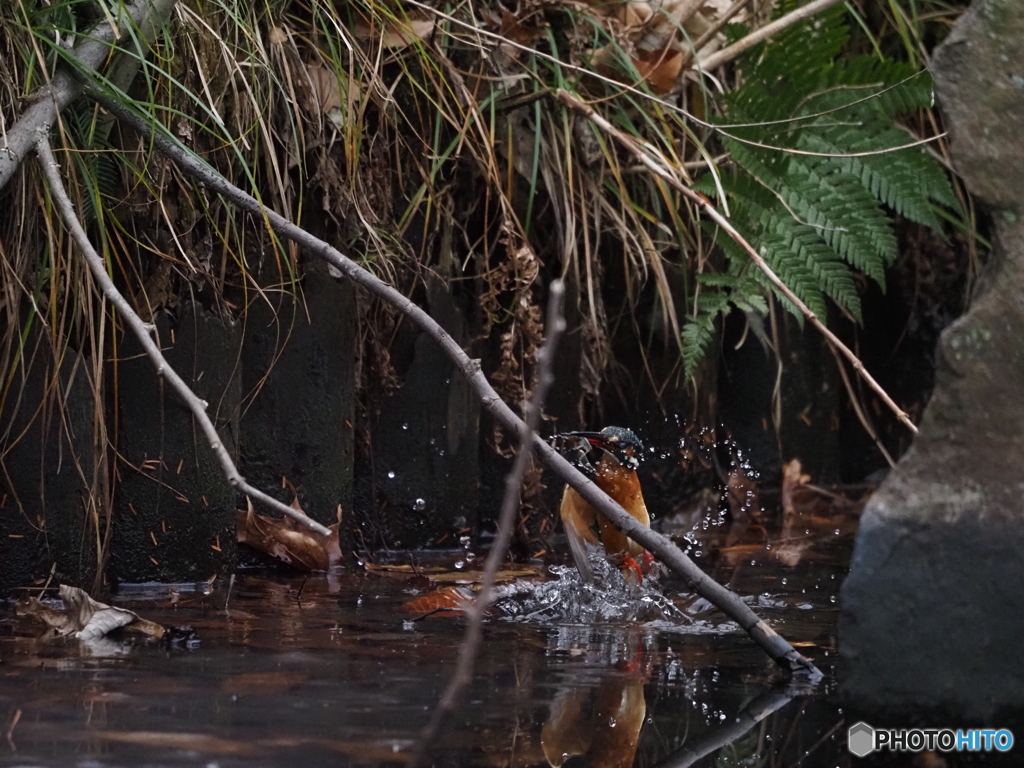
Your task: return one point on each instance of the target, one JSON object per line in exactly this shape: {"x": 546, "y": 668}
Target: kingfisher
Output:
{"x": 610, "y": 458}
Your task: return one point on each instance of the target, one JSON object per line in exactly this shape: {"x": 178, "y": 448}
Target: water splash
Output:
{"x": 568, "y": 599}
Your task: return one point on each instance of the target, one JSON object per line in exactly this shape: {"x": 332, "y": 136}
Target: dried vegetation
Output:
{"x": 422, "y": 139}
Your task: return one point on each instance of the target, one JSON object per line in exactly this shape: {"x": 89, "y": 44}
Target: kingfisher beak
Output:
{"x": 596, "y": 439}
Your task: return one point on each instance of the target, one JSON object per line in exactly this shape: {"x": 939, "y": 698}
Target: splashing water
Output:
{"x": 568, "y": 599}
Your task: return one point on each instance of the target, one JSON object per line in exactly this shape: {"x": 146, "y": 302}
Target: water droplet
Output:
{"x": 459, "y": 565}
{"x": 419, "y": 505}
{"x": 783, "y": 581}
{"x": 753, "y": 562}
{"x": 405, "y": 427}
{"x": 391, "y": 475}
{"x": 833, "y": 599}
{"x": 837, "y": 531}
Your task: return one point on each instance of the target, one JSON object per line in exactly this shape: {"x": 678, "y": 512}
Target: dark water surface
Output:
{"x": 328, "y": 671}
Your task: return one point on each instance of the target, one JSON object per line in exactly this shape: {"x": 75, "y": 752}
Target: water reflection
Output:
{"x": 319, "y": 671}
{"x": 599, "y": 720}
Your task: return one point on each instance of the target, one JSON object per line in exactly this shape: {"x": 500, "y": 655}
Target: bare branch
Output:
{"x": 762, "y": 34}
{"x": 661, "y": 546}
{"x": 658, "y": 165}
{"x": 91, "y": 52}
{"x": 506, "y": 524}
{"x": 142, "y": 332}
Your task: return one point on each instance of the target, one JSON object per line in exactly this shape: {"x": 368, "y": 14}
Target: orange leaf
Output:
{"x": 448, "y": 598}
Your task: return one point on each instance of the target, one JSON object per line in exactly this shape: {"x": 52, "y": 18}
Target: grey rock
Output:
{"x": 932, "y": 614}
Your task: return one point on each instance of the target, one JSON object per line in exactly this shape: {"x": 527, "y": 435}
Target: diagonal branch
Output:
{"x": 142, "y": 331}
{"x": 661, "y": 546}
{"x": 463, "y": 674}
{"x": 657, "y": 165}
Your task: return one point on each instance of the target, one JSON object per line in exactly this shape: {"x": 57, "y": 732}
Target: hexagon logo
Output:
{"x": 860, "y": 739}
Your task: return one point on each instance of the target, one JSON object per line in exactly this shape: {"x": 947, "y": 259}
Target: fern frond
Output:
{"x": 816, "y": 212}
{"x": 835, "y": 204}
{"x": 699, "y": 330}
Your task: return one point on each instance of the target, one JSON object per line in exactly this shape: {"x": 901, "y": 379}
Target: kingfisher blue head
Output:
{"x": 619, "y": 443}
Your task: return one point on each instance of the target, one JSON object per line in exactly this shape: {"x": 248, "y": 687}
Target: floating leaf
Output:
{"x": 446, "y": 599}
{"x": 87, "y": 619}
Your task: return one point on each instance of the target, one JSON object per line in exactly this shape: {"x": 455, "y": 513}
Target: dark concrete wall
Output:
{"x": 175, "y": 511}
{"x": 46, "y": 472}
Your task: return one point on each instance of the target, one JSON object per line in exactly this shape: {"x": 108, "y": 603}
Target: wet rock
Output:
{"x": 933, "y": 610}
{"x": 175, "y": 509}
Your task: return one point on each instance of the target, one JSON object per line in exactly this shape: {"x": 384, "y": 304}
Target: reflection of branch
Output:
{"x": 730, "y": 604}
{"x": 718, "y": 737}
{"x": 142, "y": 331}
{"x": 506, "y": 523}
{"x": 660, "y": 168}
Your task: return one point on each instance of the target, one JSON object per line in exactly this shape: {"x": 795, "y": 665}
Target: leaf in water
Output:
{"x": 263, "y": 682}
{"x": 86, "y": 618}
{"x": 287, "y": 540}
{"x": 445, "y": 599}
{"x": 475, "y": 577}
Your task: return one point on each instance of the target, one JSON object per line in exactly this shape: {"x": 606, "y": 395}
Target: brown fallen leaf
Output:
{"x": 660, "y": 69}
{"x": 286, "y": 540}
{"x": 446, "y": 599}
{"x": 397, "y": 34}
{"x": 86, "y": 618}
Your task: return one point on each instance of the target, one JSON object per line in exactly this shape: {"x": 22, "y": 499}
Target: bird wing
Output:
{"x": 577, "y": 517}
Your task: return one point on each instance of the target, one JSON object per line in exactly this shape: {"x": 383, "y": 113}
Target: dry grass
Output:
{"x": 425, "y": 141}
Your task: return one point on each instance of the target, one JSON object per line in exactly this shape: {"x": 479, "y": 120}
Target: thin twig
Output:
{"x": 653, "y": 160}
{"x": 759, "y": 35}
{"x": 142, "y": 332}
{"x": 506, "y": 524}
{"x": 855, "y": 402}
{"x": 661, "y": 546}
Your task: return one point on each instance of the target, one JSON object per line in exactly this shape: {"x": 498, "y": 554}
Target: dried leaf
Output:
{"x": 286, "y": 540}
{"x": 397, "y": 34}
{"x": 792, "y": 480}
{"x": 448, "y": 598}
{"x": 86, "y": 618}
{"x": 323, "y": 87}
{"x": 660, "y": 69}
{"x": 744, "y": 501}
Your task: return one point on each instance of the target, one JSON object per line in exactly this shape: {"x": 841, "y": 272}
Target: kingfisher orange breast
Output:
{"x": 623, "y": 486}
